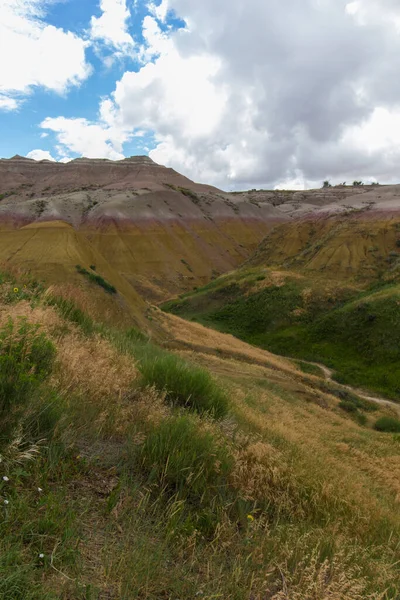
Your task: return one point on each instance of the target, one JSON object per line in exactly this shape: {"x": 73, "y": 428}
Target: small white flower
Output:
{"x": 41, "y": 555}
{"x": 5, "y": 478}
{"x": 6, "y": 502}
{"x": 39, "y": 490}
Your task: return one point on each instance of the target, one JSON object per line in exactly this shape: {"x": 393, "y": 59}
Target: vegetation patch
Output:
{"x": 354, "y": 333}
{"x": 184, "y": 384}
{"x": 26, "y": 359}
{"x": 182, "y": 458}
{"x": 388, "y": 425}
{"x": 95, "y": 278}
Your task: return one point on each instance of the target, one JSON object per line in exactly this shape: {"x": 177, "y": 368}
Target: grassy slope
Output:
{"x": 143, "y": 498}
{"x": 353, "y": 331}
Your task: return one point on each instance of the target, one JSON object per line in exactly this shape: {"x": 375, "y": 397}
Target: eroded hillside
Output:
{"x": 155, "y": 228}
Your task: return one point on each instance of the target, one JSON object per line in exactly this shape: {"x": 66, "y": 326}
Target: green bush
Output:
{"x": 388, "y": 425}
{"x": 184, "y": 384}
{"x": 26, "y": 359}
{"x": 348, "y": 406}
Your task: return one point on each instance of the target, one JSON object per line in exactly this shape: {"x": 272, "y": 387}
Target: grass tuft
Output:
{"x": 184, "y": 384}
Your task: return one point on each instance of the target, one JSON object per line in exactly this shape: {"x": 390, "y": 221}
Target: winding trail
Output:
{"x": 328, "y": 376}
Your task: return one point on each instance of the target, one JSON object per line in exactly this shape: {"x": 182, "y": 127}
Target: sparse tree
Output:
{"x": 327, "y": 184}
{"x": 357, "y": 183}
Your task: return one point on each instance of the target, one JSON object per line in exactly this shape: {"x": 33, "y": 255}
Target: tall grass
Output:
{"x": 184, "y": 384}
{"x": 70, "y": 312}
{"x": 250, "y": 517}
{"x": 26, "y": 359}
{"x": 184, "y": 460}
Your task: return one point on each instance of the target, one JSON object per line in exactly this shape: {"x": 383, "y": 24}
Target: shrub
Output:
{"x": 388, "y": 425}
{"x": 190, "y": 194}
{"x": 348, "y": 406}
{"x": 185, "y": 385}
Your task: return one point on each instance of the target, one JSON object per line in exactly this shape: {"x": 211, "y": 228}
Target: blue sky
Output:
{"x": 255, "y": 94}
{"x": 21, "y": 129}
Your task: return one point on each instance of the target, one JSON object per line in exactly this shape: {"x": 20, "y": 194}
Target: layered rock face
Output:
{"x": 155, "y": 228}
{"x": 161, "y": 234}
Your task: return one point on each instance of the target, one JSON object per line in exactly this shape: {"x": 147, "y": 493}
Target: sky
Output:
{"x": 259, "y": 94}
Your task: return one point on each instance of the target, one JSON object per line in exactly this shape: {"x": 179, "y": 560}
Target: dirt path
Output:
{"x": 328, "y": 376}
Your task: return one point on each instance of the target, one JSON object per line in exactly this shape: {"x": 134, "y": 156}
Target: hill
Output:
{"x": 155, "y": 228}
{"x": 130, "y": 471}
{"x": 322, "y": 287}
{"x": 146, "y": 455}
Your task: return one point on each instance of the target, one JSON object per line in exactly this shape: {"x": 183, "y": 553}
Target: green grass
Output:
{"x": 26, "y": 359}
{"x": 70, "y": 312}
{"x": 98, "y": 279}
{"x": 159, "y": 507}
{"x": 309, "y": 368}
{"x": 189, "y": 465}
{"x": 388, "y": 425}
{"x": 355, "y": 334}
{"x": 184, "y": 384}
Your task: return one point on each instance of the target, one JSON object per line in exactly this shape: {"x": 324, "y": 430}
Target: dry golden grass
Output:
{"x": 201, "y": 339}
{"x": 47, "y": 317}
{"x": 331, "y": 580}
{"x": 92, "y": 367}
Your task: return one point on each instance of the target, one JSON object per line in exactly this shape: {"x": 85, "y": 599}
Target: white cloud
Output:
{"x": 40, "y": 155}
{"x": 92, "y": 140}
{"x": 112, "y": 26}
{"x": 7, "y": 103}
{"x": 160, "y": 11}
{"x": 175, "y": 93}
{"x": 35, "y": 53}
{"x": 254, "y": 95}
{"x": 156, "y": 42}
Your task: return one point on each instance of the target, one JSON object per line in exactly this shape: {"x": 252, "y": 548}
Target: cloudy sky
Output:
{"x": 239, "y": 94}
